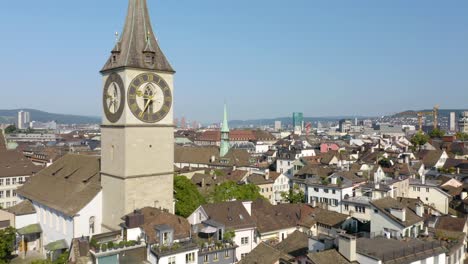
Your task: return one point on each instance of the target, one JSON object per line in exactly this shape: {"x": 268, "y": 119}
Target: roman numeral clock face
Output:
{"x": 113, "y": 97}
{"x": 149, "y": 97}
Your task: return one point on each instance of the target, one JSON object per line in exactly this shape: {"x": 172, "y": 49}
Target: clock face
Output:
{"x": 113, "y": 97}
{"x": 149, "y": 97}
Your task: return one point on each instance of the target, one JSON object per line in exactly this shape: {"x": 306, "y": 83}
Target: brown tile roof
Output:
{"x": 198, "y": 155}
{"x": 259, "y": 179}
{"x": 23, "y": 208}
{"x": 296, "y": 244}
{"x": 429, "y": 157}
{"x": 327, "y": 217}
{"x": 327, "y": 256}
{"x": 208, "y": 180}
{"x": 67, "y": 185}
{"x": 13, "y": 163}
{"x": 153, "y": 216}
{"x": 266, "y": 254}
{"x": 262, "y": 135}
{"x": 385, "y": 204}
{"x": 274, "y": 217}
{"x": 232, "y": 214}
{"x": 236, "y": 175}
{"x": 456, "y": 224}
{"x": 315, "y": 169}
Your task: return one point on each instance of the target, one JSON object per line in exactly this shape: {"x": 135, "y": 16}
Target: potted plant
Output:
{"x": 104, "y": 247}
{"x": 121, "y": 244}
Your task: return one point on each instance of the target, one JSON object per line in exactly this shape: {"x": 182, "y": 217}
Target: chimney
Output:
{"x": 333, "y": 180}
{"x": 458, "y": 170}
{"x": 267, "y": 174}
{"x": 399, "y": 213}
{"x": 203, "y": 182}
{"x": 463, "y": 195}
{"x": 407, "y": 159}
{"x": 419, "y": 209}
{"x": 423, "y": 179}
{"x": 248, "y": 206}
{"x": 347, "y": 247}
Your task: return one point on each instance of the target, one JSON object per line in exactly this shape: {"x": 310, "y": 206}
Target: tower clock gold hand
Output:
{"x": 150, "y": 99}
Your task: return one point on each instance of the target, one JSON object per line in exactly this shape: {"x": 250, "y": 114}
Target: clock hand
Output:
{"x": 150, "y": 99}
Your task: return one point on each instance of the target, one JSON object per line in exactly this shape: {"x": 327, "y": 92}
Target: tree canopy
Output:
{"x": 230, "y": 190}
{"x": 7, "y": 243}
{"x": 462, "y": 136}
{"x": 419, "y": 139}
{"x": 10, "y": 129}
{"x": 294, "y": 195}
{"x": 437, "y": 133}
{"x": 188, "y": 198}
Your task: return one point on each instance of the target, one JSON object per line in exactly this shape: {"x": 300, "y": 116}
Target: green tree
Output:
{"x": 437, "y": 133}
{"x": 462, "y": 136}
{"x": 7, "y": 243}
{"x": 10, "y": 129}
{"x": 385, "y": 163}
{"x": 230, "y": 190}
{"x": 419, "y": 139}
{"x": 188, "y": 198}
{"x": 294, "y": 195}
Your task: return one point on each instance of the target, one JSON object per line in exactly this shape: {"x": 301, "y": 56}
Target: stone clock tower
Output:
{"x": 137, "y": 145}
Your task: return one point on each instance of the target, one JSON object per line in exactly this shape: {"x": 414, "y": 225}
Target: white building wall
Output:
{"x": 338, "y": 195}
{"x": 246, "y": 248}
{"x": 179, "y": 258}
{"x": 54, "y": 224}
{"x": 81, "y": 221}
{"x": 430, "y": 195}
{"x": 25, "y": 220}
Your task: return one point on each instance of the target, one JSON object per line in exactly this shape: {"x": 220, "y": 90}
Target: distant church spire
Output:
{"x": 137, "y": 47}
{"x": 224, "y": 135}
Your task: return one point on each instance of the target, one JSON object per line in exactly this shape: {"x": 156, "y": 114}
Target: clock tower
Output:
{"x": 137, "y": 141}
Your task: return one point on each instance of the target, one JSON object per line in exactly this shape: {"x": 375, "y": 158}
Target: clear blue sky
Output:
{"x": 266, "y": 58}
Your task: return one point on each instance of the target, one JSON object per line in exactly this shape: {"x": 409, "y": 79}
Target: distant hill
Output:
{"x": 442, "y": 112}
{"x": 10, "y": 116}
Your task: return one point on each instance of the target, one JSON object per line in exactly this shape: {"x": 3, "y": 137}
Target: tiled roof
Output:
{"x": 153, "y": 217}
{"x": 232, "y": 214}
{"x": 23, "y": 208}
{"x": 296, "y": 244}
{"x": 13, "y": 163}
{"x": 327, "y": 257}
{"x": 385, "y": 204}
{"x": 456, "y": 224}
{"x": 67, "y": 185}
{"x": 266, "y": 254}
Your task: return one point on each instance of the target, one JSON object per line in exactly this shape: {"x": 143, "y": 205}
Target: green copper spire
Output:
{"x": 225, "y": 127}
{"x": 224, "y": 148}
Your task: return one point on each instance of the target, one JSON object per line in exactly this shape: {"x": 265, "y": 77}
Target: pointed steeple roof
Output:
{"x": 225, "y": 127}
{"x": 138, "y": 47}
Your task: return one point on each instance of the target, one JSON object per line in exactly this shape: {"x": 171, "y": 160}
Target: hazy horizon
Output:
{"x": 265, "y": 58}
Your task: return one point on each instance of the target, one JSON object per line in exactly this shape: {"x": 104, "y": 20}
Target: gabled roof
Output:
{"x": 456, "y": 224}
{"x": 67, "y": 185}
{"x": 232, "y": 214}
{"x": 327, "y": 256}
{"x": 429, "y": 157}
{"x": 156, "y": 217}
{"x": 137, "y": 37}
{"x": 14, "y": 163}
{"x": 23, "y": 208}
{"x": 266, "y": 254}
{"x": 296, "y": 244}
{"x": 385, "y": 204}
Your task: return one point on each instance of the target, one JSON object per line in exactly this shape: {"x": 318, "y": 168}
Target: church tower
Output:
{"x": 224, "y": 148}
{"x": 137, "y": 147}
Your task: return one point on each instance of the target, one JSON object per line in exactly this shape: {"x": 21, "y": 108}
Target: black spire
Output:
{"x": 138, "y": 47}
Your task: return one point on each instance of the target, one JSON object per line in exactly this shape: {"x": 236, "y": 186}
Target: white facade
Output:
{"x": 430, "y": 195}
{"x": 8, "y": 186}
{"x": 331, "y": 195}
{"x": 56, "y": 225}
{"x": 281, "y": 184}
{"x": 246, "y": 240}
{"x": 381, "y": 224}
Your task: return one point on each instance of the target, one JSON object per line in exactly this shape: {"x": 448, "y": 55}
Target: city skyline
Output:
{"x": 329, "y": 56}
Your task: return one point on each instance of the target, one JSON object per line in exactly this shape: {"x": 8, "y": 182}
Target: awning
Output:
{"x": 209, "y": 230}
{"x": 56, "y": 245}
{"x": 30, "y": 229}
